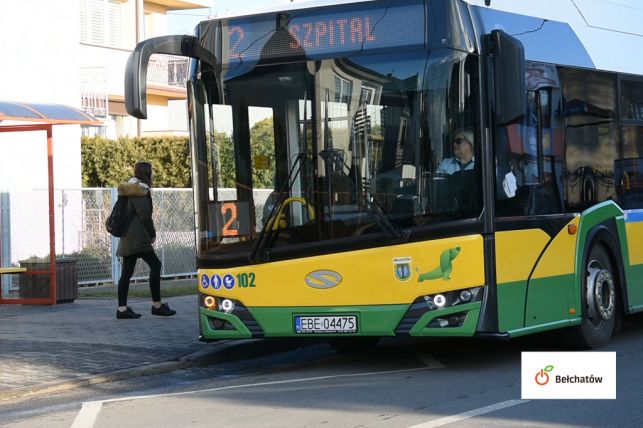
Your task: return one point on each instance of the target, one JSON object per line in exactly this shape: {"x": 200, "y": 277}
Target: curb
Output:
{"x": 223, "y": 352}
{"x": 244, "y": 350}
{"x": 80, "y": 382}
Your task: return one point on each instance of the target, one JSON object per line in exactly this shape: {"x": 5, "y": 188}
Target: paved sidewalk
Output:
{"x": 52, "y": 348}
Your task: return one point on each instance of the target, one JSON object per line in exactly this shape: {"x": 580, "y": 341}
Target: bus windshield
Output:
{"x": 347, "y": 127}
{"x": 361, "y": 148}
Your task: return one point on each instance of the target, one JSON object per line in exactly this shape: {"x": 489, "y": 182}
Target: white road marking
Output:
{"x": 470, "y": 414}
{"x": 428, "y": 360}
{"x": 88, "y": 413}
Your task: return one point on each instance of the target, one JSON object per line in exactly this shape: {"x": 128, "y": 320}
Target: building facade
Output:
{"x": 109, "y": 30}
{"x": 73, "y": 52}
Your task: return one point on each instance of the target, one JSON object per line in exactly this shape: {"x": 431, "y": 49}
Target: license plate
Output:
{"x": 326, "y": 324}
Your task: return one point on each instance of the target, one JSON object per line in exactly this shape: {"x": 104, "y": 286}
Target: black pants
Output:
{"x": 129, "y": 263}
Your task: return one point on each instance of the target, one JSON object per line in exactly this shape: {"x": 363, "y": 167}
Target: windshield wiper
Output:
{"x": 259, "y": 251}
{"x": 394, "y": 234}
{"x": 365, "y": 200}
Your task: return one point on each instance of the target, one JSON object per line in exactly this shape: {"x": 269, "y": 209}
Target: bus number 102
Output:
{"x": 246, "y": 279}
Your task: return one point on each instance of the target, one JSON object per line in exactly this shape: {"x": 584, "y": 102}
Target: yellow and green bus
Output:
{"x": 419, "y": 168}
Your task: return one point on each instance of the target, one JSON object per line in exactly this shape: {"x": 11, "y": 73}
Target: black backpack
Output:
{"x": 118, "y": 222}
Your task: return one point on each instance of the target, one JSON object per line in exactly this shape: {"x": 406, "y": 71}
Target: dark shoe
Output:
{"x": 163, "y": 311}
{"x": 126, "y": 314}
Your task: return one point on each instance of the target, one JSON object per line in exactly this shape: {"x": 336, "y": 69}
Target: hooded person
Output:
{"x": 137, "y": 243}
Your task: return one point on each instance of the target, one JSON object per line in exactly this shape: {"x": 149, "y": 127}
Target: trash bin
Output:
{"x": 37, "y": 286}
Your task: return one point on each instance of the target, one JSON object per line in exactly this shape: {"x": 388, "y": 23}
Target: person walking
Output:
{"x": 137, "y": 243}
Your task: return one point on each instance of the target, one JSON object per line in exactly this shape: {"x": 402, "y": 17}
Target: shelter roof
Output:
{"x": 54, "y": 114}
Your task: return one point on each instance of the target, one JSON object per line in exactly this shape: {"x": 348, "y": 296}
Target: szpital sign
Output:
{"x": 565, "y": 375}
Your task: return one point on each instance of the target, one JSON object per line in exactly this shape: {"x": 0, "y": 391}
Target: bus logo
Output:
{"x": 542, "y": 376}
{"x": 402, "y": 268}
{"x": 443, "y": 270}
{"x": 322, "y": 279}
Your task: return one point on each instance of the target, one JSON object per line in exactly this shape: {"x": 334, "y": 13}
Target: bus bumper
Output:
{"x": 416, "y": 320}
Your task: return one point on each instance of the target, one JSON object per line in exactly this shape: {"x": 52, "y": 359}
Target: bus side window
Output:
{"x": 591, "y": 136}
{"x": 628, "y": 171}
{"x": 529, "y": 168}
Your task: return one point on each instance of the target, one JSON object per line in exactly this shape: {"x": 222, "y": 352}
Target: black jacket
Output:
{"x": 141, "y": 231}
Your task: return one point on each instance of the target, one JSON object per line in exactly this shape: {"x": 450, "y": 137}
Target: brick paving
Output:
{"x": 44, "y": 344}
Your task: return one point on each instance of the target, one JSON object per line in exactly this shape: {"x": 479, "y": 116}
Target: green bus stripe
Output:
{"x": 511, "y": 305}
{"x": 372, "y": 320}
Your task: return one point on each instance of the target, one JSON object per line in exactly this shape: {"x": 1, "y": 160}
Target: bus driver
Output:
{"x": 463, "y": 159}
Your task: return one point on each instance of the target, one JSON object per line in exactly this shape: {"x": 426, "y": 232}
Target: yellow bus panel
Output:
{"x": 635, "y": 241}
{"x": 560, "y": 256}
{"x": 386, "y": 275}
{"x": 517, "y": 252}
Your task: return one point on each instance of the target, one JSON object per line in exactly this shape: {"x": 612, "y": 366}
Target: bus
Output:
{"x": 413, "y": 168}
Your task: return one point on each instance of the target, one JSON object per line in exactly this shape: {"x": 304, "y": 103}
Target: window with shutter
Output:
{"x": 100, "y": 22}
{"x": 96, "y": 30}
{"x": 114, "y": 24}
{"x": 83, "y": 21}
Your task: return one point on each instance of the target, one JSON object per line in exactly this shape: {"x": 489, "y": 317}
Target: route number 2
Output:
{"x": 229, "y": 228}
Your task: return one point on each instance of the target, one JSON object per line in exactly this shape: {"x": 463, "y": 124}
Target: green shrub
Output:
{"x": 107, "y": 163}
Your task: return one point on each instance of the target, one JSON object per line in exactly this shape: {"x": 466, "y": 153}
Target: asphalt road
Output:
{"x": 455, "y": 383}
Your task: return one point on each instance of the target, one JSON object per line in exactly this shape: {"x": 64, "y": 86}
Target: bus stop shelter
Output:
{"x": 27, "y": 117}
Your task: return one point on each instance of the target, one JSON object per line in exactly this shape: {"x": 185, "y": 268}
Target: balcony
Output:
{"x": 168, "y": 70}
{"x": 166, "y": 76}
{"x": 93, "y": 91}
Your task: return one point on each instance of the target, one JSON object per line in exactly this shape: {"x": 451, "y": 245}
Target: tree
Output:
{"x": 225, "y": 151}
{"x": 107, "y": 163}
{"x": 262, "y": 143}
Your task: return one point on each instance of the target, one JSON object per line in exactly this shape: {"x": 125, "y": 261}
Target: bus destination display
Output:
{"x": 322, "y": 34}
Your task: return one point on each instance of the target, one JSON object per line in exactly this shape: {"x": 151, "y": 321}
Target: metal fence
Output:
{"x": 80, "y": 216}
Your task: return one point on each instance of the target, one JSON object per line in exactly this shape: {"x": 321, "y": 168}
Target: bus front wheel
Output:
{"x": 598, "y": 299}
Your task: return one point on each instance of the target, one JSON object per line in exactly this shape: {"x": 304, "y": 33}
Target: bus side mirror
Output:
{"x": 508, "y": 57}
{"x": 136, "y": 70}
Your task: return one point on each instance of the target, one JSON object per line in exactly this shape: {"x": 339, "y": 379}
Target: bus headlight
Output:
{"x": 227, "y": 305}
{"x": 465, "y": 295}
{"x": 439, "y": 300}
{"x": 449, "y": 298}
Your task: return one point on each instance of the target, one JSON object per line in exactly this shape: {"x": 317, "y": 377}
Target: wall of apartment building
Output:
{"x": 155, "y": 20}
{"x": 178, "y": 116}
{"x": 40, "y": 64}
{"x": 104, "y": 63}
{"x": 40, "y": 57}
{"x": 44, "y": 58}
